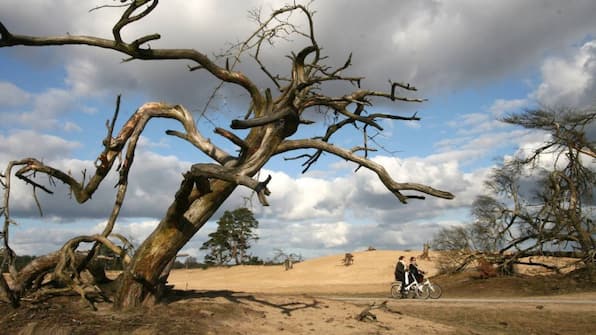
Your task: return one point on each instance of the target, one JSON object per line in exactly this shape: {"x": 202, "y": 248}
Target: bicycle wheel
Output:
{"x": 435, "y": 291}
{"x": 424, "y": 292}
{"x": 395, "y": 288}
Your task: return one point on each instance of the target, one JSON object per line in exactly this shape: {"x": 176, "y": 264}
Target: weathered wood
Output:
{"x": 6, "y": 293}
{"x": 367, "y": 315}
{"x": 425, "y": 249}
{"x": 348, "y": 259}
{"x": 288, "y": 264}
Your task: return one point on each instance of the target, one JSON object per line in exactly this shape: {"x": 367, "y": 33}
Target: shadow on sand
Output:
{"x": 241, "y": 298}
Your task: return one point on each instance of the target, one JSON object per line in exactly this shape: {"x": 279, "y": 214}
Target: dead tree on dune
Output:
{"x": 274, "y": 114}
{"x": 425, "y": 250}
{"x": 540, "y": 202}
{"x": 348, "y": 259}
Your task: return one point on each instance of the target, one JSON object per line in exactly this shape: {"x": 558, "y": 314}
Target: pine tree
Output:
{"x": 232, "y": 239}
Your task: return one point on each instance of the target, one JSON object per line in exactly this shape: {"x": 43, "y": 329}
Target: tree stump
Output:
{"x": 348, "y": 259}
{"x": 486, "y": 268}
{"x": 288, "y": 264}
{"x": 425, "y": 249}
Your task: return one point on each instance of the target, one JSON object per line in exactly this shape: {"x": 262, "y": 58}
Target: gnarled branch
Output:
{"x": 219, "y": 172}
{"x": 130, "y": 134}
{"x": 393, "y": 186}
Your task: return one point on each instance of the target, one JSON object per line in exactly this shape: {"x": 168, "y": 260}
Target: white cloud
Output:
{"x": 136, "y": 231}
{"x": 331, "y": 235}
{"x": 28, "y": 143}
{"x": 502, "y": 106}
{"x": 320, "y": 199}
{"x": 11, "y": 95}
{"x": 146, "y": 143}
{"x": 306, "y": 197}
{"x": 35, "y": 241}
{"x": 28, "y": 240}
{"x": 569, "y": 81}
{"x": 72, "y": 127}
{"x": 44, "y": 110}
{"x": 439, "y": 46}
{"x": 80, "y": 74}
{"x": 153, "y": 181}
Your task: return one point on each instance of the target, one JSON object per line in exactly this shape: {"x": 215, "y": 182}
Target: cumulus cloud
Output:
{"x": 454, "y": 44}
{"x": 43, "y": 110}
{"x": 569, "y": 81}
{"x": 306, "y": 197}
{"x": 11, "y": 95}
{"x": 153, "y": 181}
{"x": 136, "y": 231}
{"x": 307, "y": 213}
{"x": 36, "y": 241}
{"x": 37, "y": 238}
{"x": 28, "y": 143}
{"x": 439, "y": 46}
{"x": 362, "y": 195}
{"x": 565, "y": 81}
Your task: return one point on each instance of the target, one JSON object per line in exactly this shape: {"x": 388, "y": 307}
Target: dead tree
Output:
{"x": 535, "y": 208}
{"x": 288, "y": 260}
{"x": 273, "y": 115}
{"x": 485, "y": 268}
{"x": 425, "y": 249}
{"x": 348, "y": 259}
{"x": 561, "y": 215}
{"x": 288, "y": 264}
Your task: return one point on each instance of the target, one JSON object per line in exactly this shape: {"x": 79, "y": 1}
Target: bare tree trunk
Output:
{"x": 235, "y": 254}
{"x": 195, "y": 202}
{"x": 6, "y": 293}
{"x": 139, "y": 282}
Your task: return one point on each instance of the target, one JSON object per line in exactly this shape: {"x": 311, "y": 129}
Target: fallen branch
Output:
{"x": 367, "y": 315}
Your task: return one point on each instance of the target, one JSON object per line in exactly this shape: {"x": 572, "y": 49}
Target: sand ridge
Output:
{"x": 371, "y": 271}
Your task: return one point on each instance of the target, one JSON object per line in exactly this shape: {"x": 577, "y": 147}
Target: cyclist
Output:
{"x": 414, "y": 272}
{"x": 401, "y": 274}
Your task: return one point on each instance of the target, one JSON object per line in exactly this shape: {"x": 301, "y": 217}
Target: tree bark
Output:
{"x": 139, "y": 282}
{"x": 6, "y": 293}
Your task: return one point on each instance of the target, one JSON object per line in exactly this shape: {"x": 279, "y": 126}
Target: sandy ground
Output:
{"x": 372, "y": 271}
{"x": 270, "y": 300}
{"x": 297, "y": 312}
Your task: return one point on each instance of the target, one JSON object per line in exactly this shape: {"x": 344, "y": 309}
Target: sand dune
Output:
{"x": 372, "y": 271}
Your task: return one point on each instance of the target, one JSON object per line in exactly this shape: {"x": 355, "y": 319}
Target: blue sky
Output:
{"x": 474, "y": 60}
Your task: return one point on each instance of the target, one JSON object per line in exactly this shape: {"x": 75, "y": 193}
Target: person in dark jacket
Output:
{"x": 415, "y": 273}
{"x": 400, "y": 274}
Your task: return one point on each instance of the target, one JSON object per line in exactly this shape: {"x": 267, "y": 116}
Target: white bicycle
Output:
{"x": 417, "y": 290}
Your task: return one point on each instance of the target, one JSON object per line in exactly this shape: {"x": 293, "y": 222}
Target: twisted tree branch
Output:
{"x": 393, "y": 186}
{"x": 231, "y": 175}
